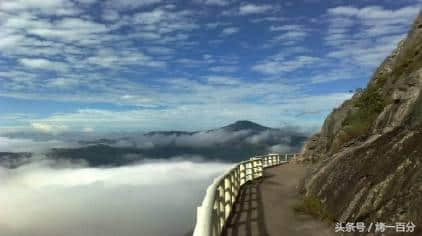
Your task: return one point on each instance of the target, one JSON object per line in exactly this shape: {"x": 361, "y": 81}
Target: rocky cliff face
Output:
{"x": 368, "y": 153}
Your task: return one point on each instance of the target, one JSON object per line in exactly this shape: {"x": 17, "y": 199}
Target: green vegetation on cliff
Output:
{"x": 311, "y": 205}
{"x": 367, "y": 107}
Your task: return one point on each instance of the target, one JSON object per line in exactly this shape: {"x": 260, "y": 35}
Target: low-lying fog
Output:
{"x": 56, "y": 195}
{"x": 60, "y": 199}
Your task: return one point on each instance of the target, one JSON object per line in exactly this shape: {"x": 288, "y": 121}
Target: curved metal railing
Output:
{"x": 222, "y": 193}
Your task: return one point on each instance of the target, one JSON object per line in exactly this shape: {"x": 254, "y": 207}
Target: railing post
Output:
{"x": 253, "y": 170}
{"x": 241, "y": 174}
{"x": 232, "y": 188}
{"x": 249, "y": 170}
{"x": 227, "y": 198}
{"x": 215, "y": 229}
{"x": 221, "y": 217}
{"x": 235, "y": 181}
{"x": 261, "y": 168}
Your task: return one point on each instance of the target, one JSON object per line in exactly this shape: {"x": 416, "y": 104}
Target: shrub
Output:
{"x": 370, "y": 101}
{"x": 358, "y": 122}
{"x": 311, "y": 205}
{"x": 410, "y": 60}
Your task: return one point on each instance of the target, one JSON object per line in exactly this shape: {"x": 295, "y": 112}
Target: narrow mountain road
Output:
{"x": 264, "y": 207}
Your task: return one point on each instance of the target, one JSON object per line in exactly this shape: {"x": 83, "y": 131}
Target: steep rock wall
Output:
{"x": 369, "y": 150}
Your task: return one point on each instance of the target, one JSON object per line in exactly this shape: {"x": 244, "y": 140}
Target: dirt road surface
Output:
{"x": 264, "y": 207}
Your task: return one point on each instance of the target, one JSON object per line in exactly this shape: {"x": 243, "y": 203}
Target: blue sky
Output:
{"x": 130, "y": 65}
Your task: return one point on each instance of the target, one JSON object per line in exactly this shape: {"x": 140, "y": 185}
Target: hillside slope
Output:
{"x": 232, "y": 143}
{"x": 368, "y": 153}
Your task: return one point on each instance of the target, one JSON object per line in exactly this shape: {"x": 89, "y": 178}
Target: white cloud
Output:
{"x": 110, "y": 15}
{"x": 281, "y": 65}
{"x": 250, "y": 8}
{"x": 214, "y": 2}
{"x": 270, "y": 136}
{"x": 10, "y": 41}
{"x": 222, "y": 80}
{"x": 65, "y": 83}
{"x": 376, "y": 13}
{"x": 214, "y": 25}
{"x": 365, "y": 36}
{"x": 50, "y": 7}
{"x": 343, "y": 10}
{"x": 277, "y": 103}
{"x": 71, "y": 29}
{"x": 162, "y": 20}
{"x": 289, "y": 35}
{"x": 88, "y": 130}
{"x": 41, "y": 63}
{"x": 292, "y": 36}
{"x": 19, "y": 76}
{"x": 29, "y": 145}
{"x": 152, "y": 17}
{"x": 280, "y": 148}
{"x": 145, "y": 35}
{"x": 199, "y": 139}
{"x": 160, "y": 50}
{"x": 230, "y": 31}
{"x": 87, "y": 1}
{"x": 135, "y": 68}
{"x": 113, "y": 58}
{"x": 227, "y": 69}
{"x": 130, "y": 4}
{"x": 269, "y": 18}
{"x": 128, "y": 201}
{"x": 364, "y": 55}
{"x": 49, "y": 128}
{"x": 286, "y": 28}
{"x": 342, "y": 72}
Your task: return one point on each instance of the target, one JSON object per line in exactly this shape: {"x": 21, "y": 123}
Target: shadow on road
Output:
{"x": 247, "y": 217}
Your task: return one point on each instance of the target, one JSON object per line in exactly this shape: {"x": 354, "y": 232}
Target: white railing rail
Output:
{"x": 222, "y": 193}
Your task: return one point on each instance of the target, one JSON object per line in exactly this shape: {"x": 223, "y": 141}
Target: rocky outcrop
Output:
{"x": 369, "y": 150}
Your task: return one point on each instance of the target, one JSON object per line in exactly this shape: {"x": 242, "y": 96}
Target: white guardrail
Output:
{"x": 222, "y": 193}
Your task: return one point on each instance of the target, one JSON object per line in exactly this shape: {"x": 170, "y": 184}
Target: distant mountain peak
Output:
{"x": 245, "y": 125}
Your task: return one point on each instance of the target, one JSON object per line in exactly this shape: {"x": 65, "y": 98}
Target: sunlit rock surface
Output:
{"x": 369, "y": 159}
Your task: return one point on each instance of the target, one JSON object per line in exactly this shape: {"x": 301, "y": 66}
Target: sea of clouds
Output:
{"x": 45, "y": 198}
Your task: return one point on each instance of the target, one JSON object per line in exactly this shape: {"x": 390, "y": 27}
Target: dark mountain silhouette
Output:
{"x": 231, "y": 143}
{"x": 99, "y": 141}
{"x": 245, "y": 125}
{"x": 13, "y": 160}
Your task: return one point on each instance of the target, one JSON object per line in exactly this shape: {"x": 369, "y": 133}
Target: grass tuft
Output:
{"x": 311, "y": 205}
{"x": 369, "y": 104}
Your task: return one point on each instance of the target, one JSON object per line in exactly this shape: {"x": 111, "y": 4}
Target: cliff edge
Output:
{"x": 368, "y": 153}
